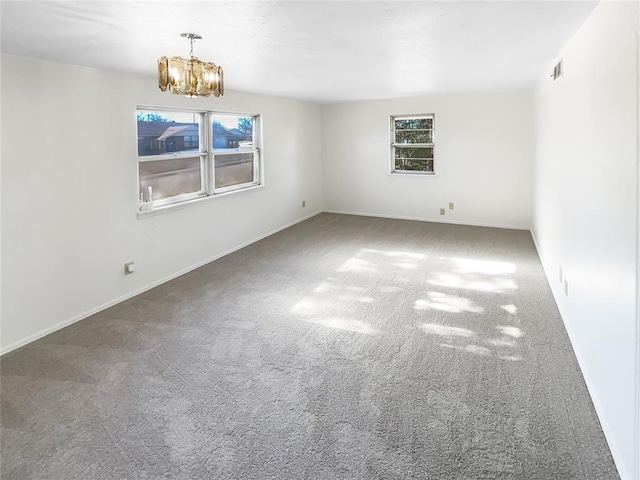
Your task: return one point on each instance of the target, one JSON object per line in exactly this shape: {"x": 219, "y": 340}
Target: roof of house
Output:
{"x": 166, "y": 129}
{"x": 163, "y": 130}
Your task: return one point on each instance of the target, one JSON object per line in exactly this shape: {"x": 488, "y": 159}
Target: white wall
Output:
{"x": 586, "y": 214}
{"x": 69, "y": 191}
{"x": 483, "y": 159}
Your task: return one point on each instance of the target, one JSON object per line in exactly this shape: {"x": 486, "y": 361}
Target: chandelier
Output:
{"x": 190, "y": 76}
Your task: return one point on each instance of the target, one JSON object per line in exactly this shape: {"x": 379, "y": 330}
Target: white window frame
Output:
{"x": 254, "y": 149}
{"x": 394, "y": 145}
{"x": 206, "y": 153}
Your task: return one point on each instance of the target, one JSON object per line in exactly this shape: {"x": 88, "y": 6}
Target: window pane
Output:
{"x": 191, "y": 141}
{"x": 160, "y": 132}
{"x": 232, "y": 131}
{"x": 413, "y": 123}
{"x": 414, "y": 158}
{"x": 169, "y": 178}
{"x": 415, "y": 165}
{"x": 414, "y": 152}
{"x": 233, "y": 169}
{"x": 414, "y": 136}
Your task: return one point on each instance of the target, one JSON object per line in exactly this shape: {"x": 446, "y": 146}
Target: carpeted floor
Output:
{"x": 341, "y": 348}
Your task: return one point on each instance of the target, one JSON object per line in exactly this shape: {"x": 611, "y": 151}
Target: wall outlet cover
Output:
{"x": 129, "y": 268}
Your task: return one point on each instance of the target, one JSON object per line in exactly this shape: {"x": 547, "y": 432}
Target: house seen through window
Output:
{"x": 185, "y": 155}
{"x": 412, "y": 144}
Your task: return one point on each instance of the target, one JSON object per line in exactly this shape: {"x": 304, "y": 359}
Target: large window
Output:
{"x": 412, "y": 144}
{"x": 185, "y": 155}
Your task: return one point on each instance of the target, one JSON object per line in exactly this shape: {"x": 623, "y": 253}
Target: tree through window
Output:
{"x": 412, "y": 144}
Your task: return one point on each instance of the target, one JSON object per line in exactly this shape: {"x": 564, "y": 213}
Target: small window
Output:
{"x": 157, "y": 145}
{"x": 185, "y": 155}
{"x": 191, "y": 141}
{"x": 412, "y": 144}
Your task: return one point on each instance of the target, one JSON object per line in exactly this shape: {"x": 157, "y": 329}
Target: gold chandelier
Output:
{"x": 190, "y": 76}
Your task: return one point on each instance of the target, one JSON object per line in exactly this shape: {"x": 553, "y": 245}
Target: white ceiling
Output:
{"x": 324, "y": 51}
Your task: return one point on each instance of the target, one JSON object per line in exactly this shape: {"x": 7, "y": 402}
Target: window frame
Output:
{"x": 393, "y": 144}
{"x": 206, "y": 155}
{"x": 254, "y": 150}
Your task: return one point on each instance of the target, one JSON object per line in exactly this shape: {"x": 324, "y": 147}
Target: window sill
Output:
{"x": 412, "y": 174}
{"x": 187, "y": 203}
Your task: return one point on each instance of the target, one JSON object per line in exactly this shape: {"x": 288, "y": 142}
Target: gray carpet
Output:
{"x": 342, "y": 348}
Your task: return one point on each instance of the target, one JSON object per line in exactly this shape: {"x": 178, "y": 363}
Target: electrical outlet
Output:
{"x": 442, "y": 211}
{"x": 128, "y": 268}
{"x": 566, "y": 287}
{"x": 450, "y": 205}
{"x": 304, "y": 204}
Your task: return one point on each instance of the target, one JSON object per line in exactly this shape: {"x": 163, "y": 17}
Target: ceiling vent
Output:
{"x": 557, "y": 70}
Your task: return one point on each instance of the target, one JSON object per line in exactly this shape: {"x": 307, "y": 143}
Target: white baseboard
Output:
{"x": 428, "y": 219}
{"x": 104, "y": 306}
{"x": 597, "y": 404}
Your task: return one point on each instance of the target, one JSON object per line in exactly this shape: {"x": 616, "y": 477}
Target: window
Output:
{"x": 234, "y": 154}
{"x": 191, "y": 141}
{"x": 184, "y": 155}
{"x": 157, "y": 144}
{"x": 412, "y": 144}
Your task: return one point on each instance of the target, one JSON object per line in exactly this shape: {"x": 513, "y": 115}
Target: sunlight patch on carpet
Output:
{"x": 447, "y": 303}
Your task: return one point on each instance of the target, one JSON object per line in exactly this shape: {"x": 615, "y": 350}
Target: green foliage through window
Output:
{"x": 412, "y": 144}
